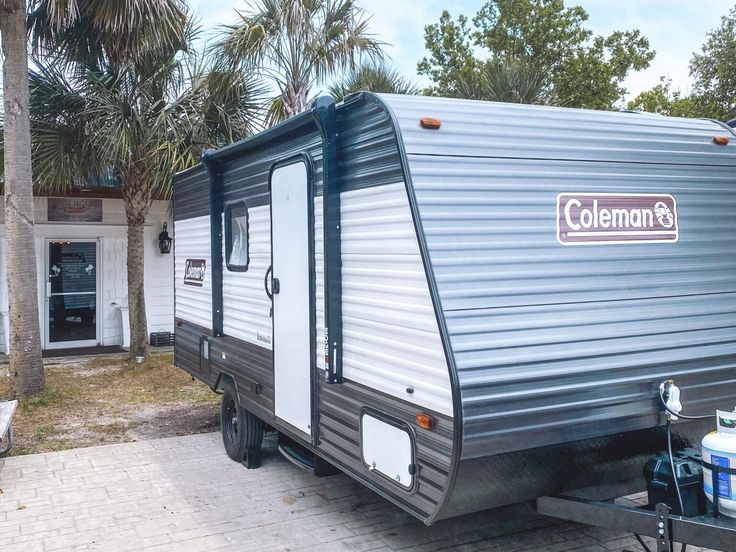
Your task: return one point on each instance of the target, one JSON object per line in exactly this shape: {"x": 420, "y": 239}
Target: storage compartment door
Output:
{"x": 387, "y": 450}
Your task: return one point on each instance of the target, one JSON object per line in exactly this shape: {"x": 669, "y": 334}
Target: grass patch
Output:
{"x": 43, "y": 432}
{"x": 106, "y": 400}
{"x": 51, "y": 396}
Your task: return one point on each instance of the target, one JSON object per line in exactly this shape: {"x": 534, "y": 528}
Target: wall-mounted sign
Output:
{"x": 194, "y": 272}
{"x": 74, "y": 209}
{"x": 616, "y": 218}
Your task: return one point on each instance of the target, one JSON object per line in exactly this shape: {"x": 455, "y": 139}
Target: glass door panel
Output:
{"x": 72, "y": 291}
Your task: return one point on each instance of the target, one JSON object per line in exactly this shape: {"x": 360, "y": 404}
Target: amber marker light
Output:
{"x": 425, "y": 421}
{"x": 720, "y": 140}
{"x": 430, "y": 123}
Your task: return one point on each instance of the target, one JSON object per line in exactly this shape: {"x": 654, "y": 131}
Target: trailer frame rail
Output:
{"x": 705, "y": 530}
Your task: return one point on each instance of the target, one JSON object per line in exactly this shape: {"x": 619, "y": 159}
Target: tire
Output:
{"x": 242, "y": 431}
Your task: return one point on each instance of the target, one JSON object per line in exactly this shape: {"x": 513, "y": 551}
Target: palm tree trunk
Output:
{"x": 136, "y": 291}
{"x": 137, "y": 194}
{"x": 26, "y": 365}
{"x": 296, "y": 98}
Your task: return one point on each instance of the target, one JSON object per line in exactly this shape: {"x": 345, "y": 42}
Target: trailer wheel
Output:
{"x": 242, "y": 431}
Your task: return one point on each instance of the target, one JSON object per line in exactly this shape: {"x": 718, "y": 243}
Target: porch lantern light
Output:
{"x": 164, "y": 241}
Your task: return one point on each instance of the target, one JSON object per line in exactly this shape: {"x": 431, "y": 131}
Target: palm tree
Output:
{"x": 26, "y": 365}
{"x": 118, "y": 91}
{"x": 297, "y": 44}
{"x": 510, "y": 80}
{"x": 373, "y": 77}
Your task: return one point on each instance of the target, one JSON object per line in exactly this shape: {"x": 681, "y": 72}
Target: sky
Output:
{"x": 675, "y": 29}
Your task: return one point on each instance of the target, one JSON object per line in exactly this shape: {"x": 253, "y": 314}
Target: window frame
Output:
{"x": 229, "y": 236}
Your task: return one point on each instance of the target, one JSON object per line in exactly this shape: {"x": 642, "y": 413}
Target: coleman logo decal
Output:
{"x": 194, "y": 271}
{"x": 616, "y": 218}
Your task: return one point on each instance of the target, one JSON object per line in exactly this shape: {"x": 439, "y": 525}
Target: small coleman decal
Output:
{"x": 194, "y": 271}
{"x": 590, "y": 219}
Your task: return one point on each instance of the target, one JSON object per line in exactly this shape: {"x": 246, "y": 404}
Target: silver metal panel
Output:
{"x": 556, "y": 343}
{"x": 391, "y": 341}
{"x": 245, "y": 306}
{"x": 378, "y": 292}
{"x": 552, "y": 343}
{"x": 482, "y": 129}
{"x": 192, "y": 241}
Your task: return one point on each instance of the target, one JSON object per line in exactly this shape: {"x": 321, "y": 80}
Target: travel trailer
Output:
{"x": 461, "y": 304}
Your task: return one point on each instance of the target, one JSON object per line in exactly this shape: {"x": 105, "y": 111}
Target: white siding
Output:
{"x": 391, "y": 341}
{"x": 246, "y": 307}
{"x": 192, "y": 241}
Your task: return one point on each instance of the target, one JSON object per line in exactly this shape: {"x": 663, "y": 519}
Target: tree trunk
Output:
{"x": 296, "y": 98}
{"x": 136, "y": 291}
{"x": 26, "y": 365}
{"x": 137, "y": 194}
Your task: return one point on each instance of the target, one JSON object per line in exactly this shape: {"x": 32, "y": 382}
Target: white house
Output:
{"x": 82, "y": 277}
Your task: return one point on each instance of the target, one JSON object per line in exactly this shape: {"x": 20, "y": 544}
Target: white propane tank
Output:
{"x": 719, "y": 449}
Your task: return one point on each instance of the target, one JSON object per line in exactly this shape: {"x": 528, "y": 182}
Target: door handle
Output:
{"x": 48, "y": 290}
{"x": 276, "y": 286}
{"x": 265, "y": 282}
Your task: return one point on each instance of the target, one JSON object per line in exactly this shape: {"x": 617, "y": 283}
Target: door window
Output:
{"x": 236, "y": 237}
{"x": 72, "y": 291}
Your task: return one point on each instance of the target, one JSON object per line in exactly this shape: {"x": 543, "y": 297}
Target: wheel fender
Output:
{"x": 222, "y": 377}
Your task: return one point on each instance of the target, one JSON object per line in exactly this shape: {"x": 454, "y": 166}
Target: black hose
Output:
{"x": 672, "y": 465}
{"x": 643, "y": 544}
{"x": 683, "y": 548}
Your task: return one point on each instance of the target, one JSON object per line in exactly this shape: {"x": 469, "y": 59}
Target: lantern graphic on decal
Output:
{"x": 664, "y": 214}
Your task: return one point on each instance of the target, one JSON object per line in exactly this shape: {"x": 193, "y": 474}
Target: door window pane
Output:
{"x": 73, "y": 291}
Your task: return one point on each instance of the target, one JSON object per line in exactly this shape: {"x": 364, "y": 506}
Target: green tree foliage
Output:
{"x": 584, "y": 70}
{"x": 296, "y": 44}
{"x": 372, "y": 77}
{"x": 512, "y": 80}
{"x": 664, "y": 101}
{"x": 128, "y": 100}
{"x": 714, "y": 71}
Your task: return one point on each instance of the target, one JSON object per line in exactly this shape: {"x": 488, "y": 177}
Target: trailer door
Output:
{"x": 290, "y": 235}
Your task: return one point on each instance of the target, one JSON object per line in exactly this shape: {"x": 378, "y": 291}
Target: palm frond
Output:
{"x": 92, "y": 32}
{"x": 297, "y": 44}
{"x": 509, "y": 80}
{"x": 373, "y": 77}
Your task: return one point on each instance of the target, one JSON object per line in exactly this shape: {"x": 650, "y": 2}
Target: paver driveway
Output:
{"x": 184, "y": 494}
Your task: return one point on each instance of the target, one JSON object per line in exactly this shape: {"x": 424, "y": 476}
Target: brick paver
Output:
{"x": 184, "y": 494}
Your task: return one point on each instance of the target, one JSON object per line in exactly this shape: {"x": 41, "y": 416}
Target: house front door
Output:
{"x": 71, "y": 313}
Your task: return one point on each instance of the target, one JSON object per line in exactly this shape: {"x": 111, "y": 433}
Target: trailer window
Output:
{"x": 236, "y": 237}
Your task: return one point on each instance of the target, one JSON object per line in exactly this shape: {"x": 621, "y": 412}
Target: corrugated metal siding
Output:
{"x": 246, "y": 176}
{"x": 368, "y": 152}
{"x": 489, "y": 129}
{"x": 186, "y": 349}
{"x": 339, "y": 430}
{"x": 192, "y": 241}
{"x": 369, "y": 159}
{"x": 192, "y": 193}
{"x": 245, "y": 305}
{"x": 556, "y": 343}
{"x": 390, "y": 337}
{"x": 249, "y": 365}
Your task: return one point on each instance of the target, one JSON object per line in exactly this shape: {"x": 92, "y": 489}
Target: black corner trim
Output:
{"x": 216, "y": 205}
{"x": 325, "y": 115}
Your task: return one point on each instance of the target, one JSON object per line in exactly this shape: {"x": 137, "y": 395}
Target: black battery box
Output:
{"x": 661, "y": 484}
